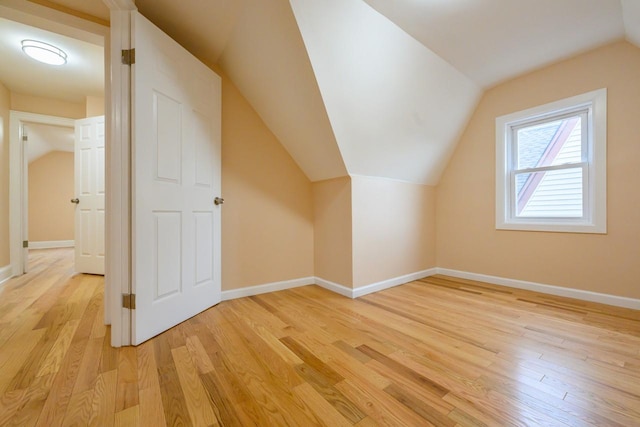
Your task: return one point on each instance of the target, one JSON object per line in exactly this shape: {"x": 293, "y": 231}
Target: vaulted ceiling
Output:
{"x": 379, "y": 87}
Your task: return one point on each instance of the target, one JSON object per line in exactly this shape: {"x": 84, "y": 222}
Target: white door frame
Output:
{"x": 18, "y": 183}
{"x": 117, "y": 171}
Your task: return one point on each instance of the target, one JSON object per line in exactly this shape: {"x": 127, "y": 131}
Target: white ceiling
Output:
{"x": 203, "y": 28}
{"x": 379, "y": 87}
{"x": 43, "y": 139}
{"x": 81, "y": 76}
{"x": 266, "y": 58}
{"x": 493, "y": 40}
{"x": 395, "y": 106}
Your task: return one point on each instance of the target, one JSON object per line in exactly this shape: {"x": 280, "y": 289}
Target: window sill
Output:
{"x": 553, "y": 227}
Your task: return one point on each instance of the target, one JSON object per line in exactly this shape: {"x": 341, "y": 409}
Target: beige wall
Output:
{"x": 51, "y": 215}
{"x": 466, "y": 236}
{"x": 94, "y": 106}
{"x": 5, "y": 106}
{"x": 333, "y": 231}
{"x": 267, "y": 219}
{"x": 47, "y": 106}
{"x": 393, "y": 229}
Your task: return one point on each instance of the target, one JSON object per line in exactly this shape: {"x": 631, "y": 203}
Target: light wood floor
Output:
{"x": 438, "y": 352}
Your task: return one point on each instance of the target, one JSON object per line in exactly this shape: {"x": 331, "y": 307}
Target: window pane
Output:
{"x": 552, "y": 143}
{"x": 549, "y": 194}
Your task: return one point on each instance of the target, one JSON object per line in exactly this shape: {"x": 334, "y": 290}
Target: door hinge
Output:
{"x": 25, "y": 243}
{"x": 25, "y": 138}
{"x": 129, "y": 56}
{"x": 129, "y": 301}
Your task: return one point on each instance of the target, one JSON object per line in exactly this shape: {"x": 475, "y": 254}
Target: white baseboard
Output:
{"x": 374, "y": 287}
{"x": 52, "y": 244}
{"x": 331, "y": 286}
{"x": 5, "y": 273}
{"x": 334, "y": 287}
{"x": 267, "y": 287}
{"x": 546, "y": 289}
{"x": 390, "y": 283}
{"x": 386, "y": 284}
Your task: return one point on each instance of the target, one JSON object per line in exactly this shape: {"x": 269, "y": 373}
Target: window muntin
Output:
{"x": 551, "y": 166}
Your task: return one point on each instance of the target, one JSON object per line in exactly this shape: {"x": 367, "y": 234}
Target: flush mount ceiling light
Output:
{"x": 44, "y": 52}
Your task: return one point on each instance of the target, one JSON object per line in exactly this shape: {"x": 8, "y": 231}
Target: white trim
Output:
{"x": 334, "y": 287}
{"x": 5, "y": 273}
{"x": 52, "y": 244}
{"x": 390, "y": 283}
{"x": 118, "y": 173}
{"x": 265, "y": 288}
{"x": 331, "y": 286}
{"x": 546, "y": 289}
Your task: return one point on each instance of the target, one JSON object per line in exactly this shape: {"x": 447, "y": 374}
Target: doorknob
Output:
{"x": 76, "y": 200}
{"x": 218, "y": 201}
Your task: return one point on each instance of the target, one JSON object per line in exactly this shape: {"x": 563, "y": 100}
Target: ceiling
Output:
{"x": 44, "y": 139}
{"x": 378, "y": 87}
{"x": 493, "y": 40}
{"x": 81, "y": 76}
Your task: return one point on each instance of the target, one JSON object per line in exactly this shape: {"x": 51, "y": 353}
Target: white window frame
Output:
{"x": 594, "y": 165}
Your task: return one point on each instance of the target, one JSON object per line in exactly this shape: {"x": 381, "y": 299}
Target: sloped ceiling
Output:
{"x": 631, "y": 19}
{"x": 44, "y": 139}
{"x": 396, "y": 107}
{"x": 267, "y": 60}
{"x": 380, "y": 87}
{"x": 493, "y": 40}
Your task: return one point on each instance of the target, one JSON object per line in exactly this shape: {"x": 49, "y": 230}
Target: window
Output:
{"x": 551, "y": 166}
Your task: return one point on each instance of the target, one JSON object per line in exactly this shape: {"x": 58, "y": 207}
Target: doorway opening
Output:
{"x": 46, "y": 98}
{"x": 49, "y": 152}
{"x": 78, "y": 29}
{"x": 61, "y": 188}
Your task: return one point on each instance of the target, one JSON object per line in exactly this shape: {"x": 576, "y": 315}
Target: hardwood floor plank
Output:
{"x": 223, "y": 395}
{"x": 79, "y": 409}
{"x": 127, "y": 383}
{"x": 330, "y": 392}
{"x": 558, "y": 409}
{"x": 406, "y": 372}
{"x": 52, "y": 362}
{"x": 418, "y": 406}
{"x": 151, "y": 407}
{"x": 55, "y": 407}
{"x": 378, "y": 405}
{"x": 13, "y": 356}
{"x": 197, "y": 401}
{"x": 89, "y": 366}
{"x": 173, "y": 398}
{"x": 129, "y": 417}
{"x": 104, "y": 400}
{"x": 199, "y": 354}
{"x": 22, "y": 407}
{"x": 326, "y": 414}
{"x": 329, "y": 375}
{"x": 34, "y": 359}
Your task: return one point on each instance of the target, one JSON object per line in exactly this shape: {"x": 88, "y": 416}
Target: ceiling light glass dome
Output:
{"x": 44, "y": 52}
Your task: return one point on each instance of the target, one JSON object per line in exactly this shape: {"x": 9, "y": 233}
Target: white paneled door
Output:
{"x": 176, "y": 177}
{"x": 89, "y": 195}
